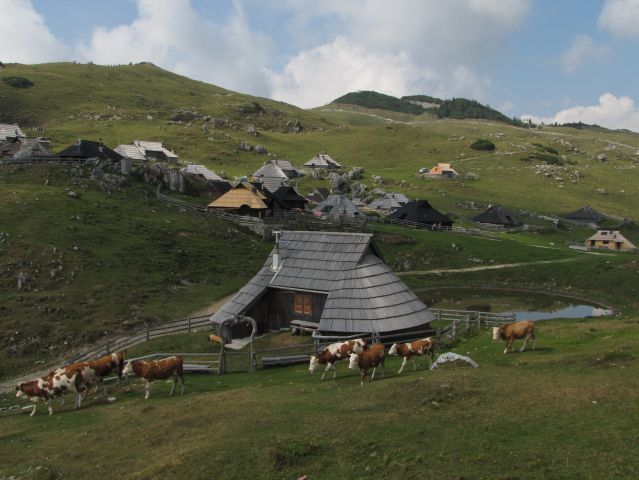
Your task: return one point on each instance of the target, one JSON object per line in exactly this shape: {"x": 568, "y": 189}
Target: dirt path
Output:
{"x": 484, "y": 267}
{"x": 212, "y": 308}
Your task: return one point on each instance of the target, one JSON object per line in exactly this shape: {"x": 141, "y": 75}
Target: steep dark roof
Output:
{"x": 586, "y": 214}
{"x": 363, "y": 294}
{"x": 89, "y": 149}
{"x": 287, "y": 197}
{"x": 420, "y": 211}
{"x": 498, "y": 215}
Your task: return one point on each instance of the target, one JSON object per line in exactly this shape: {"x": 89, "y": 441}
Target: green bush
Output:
{"x": 548, "y": 158}
{"x": 483, "y": 144}
{"x": 18, "y": 82}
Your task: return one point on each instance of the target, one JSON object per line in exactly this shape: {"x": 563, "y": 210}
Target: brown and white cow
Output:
{"x": 58, "y": 383}
{"x": 157, "y": 370}
{"x": 512, "y": 331}
{"x": 372, "y": 357}
{"x": 95, "y": 371}
{"x": 425, "y": 346}
{"x": 334, "y": 353}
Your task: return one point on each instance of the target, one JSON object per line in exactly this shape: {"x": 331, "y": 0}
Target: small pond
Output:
{"x": 526, "y": 306}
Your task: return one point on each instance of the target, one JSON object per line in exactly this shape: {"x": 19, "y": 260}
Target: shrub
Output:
{"x": 18, "y": 82}
{"x": 483, "y": 144}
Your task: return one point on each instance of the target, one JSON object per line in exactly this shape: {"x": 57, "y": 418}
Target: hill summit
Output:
{"x": 459, "y": 108}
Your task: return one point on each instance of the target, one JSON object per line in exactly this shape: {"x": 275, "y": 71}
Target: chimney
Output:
{"x": 275, "y": 265}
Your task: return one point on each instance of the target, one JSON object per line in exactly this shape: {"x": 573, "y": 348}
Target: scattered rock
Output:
{"x": 23, "y": 278}
{"x": 245, "y": 146}
{"x": 261, "y": 149}
{"x": 73, "y": 194}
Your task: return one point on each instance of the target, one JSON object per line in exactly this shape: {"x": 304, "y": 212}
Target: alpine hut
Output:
{"x": 498, "y": 215}
{"x": 243, "y": 199}
{"x": 270, "y": 176}
{"x": 337, "y": 205}
{"x": 420, "y": 212}
{"x": 19, "y": 148}
{"x": 442, "y": 170}
{"x": 286, "y": 198}
{"x": 287, "y": 167}
{"x": 8, "y": 132}
{"x": 389, "y": 202}
{"x": 85, "y": 149}
{"x": 323, "y": 160}
{"x": 609, "y": 240}
{"x": 585, "y": 214}
{"x": 318, "y": 195}
{"x": 214, "y": 186}
{"x": 337, "y": 282}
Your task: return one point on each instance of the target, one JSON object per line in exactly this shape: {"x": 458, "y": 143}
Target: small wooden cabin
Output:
{"x": 586, "y": 214}
{"x": 323, "y": 160}
{"x": 609, "y": 240}
{"x": 337, "y": 281}
{"x": 85, "y": 149}
{"x": 442, "y": 170}
{"x": 420, "y": 212}
{"x": 498, "y": 215}
{"x": 243, "y": 199}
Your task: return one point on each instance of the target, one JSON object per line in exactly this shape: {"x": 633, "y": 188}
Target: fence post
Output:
{"x": 454, "y": 329}
{"x": 439, "y": 314}
{"x": 108, "y": 346}
{"x": 222, "y": 365}
{"x": 478, "y": 320}
{"x": 148, "y": 332}
{"x": 188, "y": 324}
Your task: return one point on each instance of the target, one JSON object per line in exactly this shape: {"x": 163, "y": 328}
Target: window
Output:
{"x": 303, "y": 303}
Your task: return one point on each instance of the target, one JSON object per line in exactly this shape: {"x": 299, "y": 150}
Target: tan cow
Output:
{"x": 334, "y": 353}
{"x": 425, "y": 346}
{"x": 372, "y": 357}
{"x": 512, "y": 331}
{"x": 157, "y": 370}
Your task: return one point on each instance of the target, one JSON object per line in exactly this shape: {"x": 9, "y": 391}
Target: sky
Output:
{"x": 549, "y": 60}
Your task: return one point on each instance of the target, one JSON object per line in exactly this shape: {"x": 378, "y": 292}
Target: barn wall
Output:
{"x": 276, "y": 310}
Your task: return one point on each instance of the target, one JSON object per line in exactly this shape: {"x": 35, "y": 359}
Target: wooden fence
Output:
{"x": 40, "y": 160}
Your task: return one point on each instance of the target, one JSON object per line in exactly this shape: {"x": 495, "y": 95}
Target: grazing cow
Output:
{"x": 334, "y": 353}
{"x": 55, "y": 384}
{"x": 103, "y": 367}
{"x": 372, "y": 357}
{"x": 512, "y": 331}
{"x": 157, "y": 370}
{"x": 425, "y": 346}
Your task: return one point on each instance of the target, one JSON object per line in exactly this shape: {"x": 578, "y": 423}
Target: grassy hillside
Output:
{"x": 103, "y": 262}
{"x": 526, "y": 415}
{"x": 380, "y": 101}
{"x": 389, "y": 144}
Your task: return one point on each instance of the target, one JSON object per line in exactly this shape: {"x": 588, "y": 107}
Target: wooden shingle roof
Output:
{"x": 242, "y": 194}
{"x": 363, "y": 293}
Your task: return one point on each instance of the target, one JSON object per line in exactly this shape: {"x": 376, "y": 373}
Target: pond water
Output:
{"x": 525, "y": 306}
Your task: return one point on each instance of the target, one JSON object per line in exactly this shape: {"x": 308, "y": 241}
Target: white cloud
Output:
{"x": 621, "y": 18}
{"x": 321, "y": 74}
{"x": 611, "y": 112}
{"x": 25, "y": 37}
{"x": 171, "y": 34}
{"x": 399, "y": 48}
{"x": 581, "y": 52}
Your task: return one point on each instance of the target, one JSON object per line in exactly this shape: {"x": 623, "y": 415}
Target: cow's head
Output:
{"x": 352, "y": 364}
{"x": 19, "y": 392}
{"x": 313, "y": 364}
{"x": 359, "y": 346}
{"x": 497, "y": 332}
{"x": 393, "y": 349}
{"x": 128, "y": 368}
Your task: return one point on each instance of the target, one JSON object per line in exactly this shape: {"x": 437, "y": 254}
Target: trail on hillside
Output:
{"x": 484, "y": 267}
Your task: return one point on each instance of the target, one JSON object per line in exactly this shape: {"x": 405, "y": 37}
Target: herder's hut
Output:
{"x": 609, "y": 240}
{"x": 323, "y": 160}
{"x": 498, "y": 215}
{"x": 585, "y": 214}
{"x": 286, "y": 198}
{"x": 85, "y": 149}
{"x": 337, "y": 205}
{"x": 422, "y": 213}
{"x": 270, "y": 176}
{"x": 9, "y": 132}
{"x": 24, "y": 148}
{"x": 442, "y": 170}
{"x": 287, "y": 167}
{"x": 318, "y": 195}
{"x": 243, "y": 199}
{"x": 215, "y": 185}
{"x": 389, "y": 202}
{"x": 337, "y": 281}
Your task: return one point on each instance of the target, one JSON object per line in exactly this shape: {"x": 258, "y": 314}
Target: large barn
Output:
{"x": 338, "y": 281}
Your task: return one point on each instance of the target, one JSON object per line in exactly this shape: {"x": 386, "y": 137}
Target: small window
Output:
{"x": 303, "y": 304}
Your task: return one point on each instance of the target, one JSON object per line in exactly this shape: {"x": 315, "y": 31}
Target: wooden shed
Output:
{"x": 586, "y": 214}
{"x": 442, "y": 170}
{"x": 85, "y": 149}
{"x": 609, "y": 240}
{"x": 338, "y": 281}
{"x": 243, "y": 199}
{"x": 498, "y": 215}
{"x": 420, "y": 212}
{"x": 323, "y": 160}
